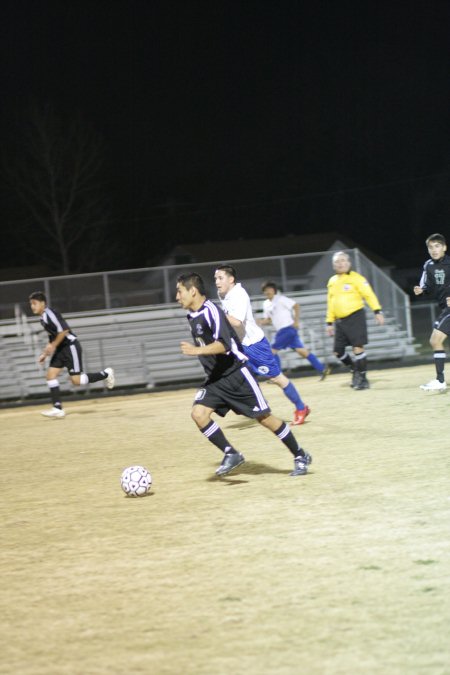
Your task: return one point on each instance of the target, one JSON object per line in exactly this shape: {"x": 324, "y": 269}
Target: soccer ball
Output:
{"x": 136, "y": 481}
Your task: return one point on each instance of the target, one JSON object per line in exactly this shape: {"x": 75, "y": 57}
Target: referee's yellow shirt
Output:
{"x": 346, "y": 294}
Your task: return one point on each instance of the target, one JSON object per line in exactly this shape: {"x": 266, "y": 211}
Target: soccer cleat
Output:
{"x": 301, "y": 465}
{"x": 300, "y": 416}
{"x": 110, "y": 380}
{"x": 325, "y": 373}
{"x": 54, "y": 412}
{"x": 231, "y": 461}
{"x": 362, "y": 383}
{"x": 434, "y": 385}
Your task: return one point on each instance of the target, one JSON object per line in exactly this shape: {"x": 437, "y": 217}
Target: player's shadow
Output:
{"x": 249, "y": 468}
{"x": 247, "y": 424}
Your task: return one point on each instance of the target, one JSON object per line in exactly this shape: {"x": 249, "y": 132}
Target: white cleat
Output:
{"x": 110, "y": 380}
{"x": 54, "y": 412}
{"x": 434, "y": 385}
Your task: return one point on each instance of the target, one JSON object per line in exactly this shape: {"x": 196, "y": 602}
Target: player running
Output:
{"x": 64, "y": 351}
{"x": 229, "y": 383}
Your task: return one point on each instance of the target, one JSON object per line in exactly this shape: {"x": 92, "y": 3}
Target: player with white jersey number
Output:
{"x": 435, "y": 281}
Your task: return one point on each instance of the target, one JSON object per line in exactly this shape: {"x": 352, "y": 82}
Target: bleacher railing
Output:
{"x": 120, "y": 289}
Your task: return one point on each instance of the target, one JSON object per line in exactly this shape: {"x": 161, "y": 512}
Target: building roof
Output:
{"x": 259, "y": 248}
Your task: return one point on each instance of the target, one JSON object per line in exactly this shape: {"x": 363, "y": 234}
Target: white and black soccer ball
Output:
{"x": 136, "y": 481}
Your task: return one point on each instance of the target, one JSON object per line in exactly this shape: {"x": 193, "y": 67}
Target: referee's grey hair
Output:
{"x": 339, "y": 253}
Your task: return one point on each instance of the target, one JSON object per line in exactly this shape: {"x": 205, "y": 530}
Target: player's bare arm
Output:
{"x": 264, "y": 322}
{"x": 189, "y": 349}
{"x": 237, "y": 325}
{"x": 50, "y": 348}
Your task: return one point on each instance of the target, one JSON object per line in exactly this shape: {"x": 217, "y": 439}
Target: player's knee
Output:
{"x": 200, "y": 416}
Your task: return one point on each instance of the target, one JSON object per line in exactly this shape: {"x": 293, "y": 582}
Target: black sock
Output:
{"x": 361, "y": 363}
{"x": 347, "y": 361}
{"x": 215, "y": 435}
{"x": 439, "y": 362}
{"x": 96, "y": 377}
{"x": 288, "y": 438}
{"x": 55, "y": 395}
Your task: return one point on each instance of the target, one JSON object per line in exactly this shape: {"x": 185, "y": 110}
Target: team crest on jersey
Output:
{"x": 439, "y": 276}
{"x": 199, "y": 329}
{"x": 263, "y": 370}
{"x": 200, "y": 395}
{"x": 347, "y": 287}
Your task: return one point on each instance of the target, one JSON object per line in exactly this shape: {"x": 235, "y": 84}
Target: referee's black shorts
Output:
{"x": 238, "y": 392}
{"x": 351, "y": 330}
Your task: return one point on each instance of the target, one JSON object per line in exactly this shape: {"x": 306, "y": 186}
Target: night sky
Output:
{"x": 240, "y": 119}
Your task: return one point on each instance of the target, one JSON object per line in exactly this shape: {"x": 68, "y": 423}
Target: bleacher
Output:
{"x": 143, "y": 347}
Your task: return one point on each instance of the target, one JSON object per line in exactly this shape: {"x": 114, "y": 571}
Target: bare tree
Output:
{"x": 55, "y": 169}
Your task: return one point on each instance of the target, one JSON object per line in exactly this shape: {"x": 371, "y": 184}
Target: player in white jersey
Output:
{"x": 283, "y": 314}
{"x": 236, "y": 305}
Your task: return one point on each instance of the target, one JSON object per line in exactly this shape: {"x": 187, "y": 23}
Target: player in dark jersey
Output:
{"x": 64, "y": 351}
{"x": 229, "y": 384}
{"x": 435, "y": 281}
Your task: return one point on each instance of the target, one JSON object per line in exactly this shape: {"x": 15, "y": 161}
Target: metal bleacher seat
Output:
{"x": 143, "y": 347}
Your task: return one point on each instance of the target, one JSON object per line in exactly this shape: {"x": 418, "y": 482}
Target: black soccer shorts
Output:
{"x": 238, "y": 392}
{"x": 68, "y": 357}
{"x": 442, "y": 323}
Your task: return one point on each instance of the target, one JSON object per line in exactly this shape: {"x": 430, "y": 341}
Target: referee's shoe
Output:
{"x": 231, "y": 460}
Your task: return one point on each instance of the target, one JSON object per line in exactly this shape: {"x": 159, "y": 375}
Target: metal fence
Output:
{"x": 303, "y": 272}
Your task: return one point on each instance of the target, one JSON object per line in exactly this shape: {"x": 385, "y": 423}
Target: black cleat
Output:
{"x": 301, "y": 465}
{"x": 325, "y": 373}
{"x": 363, "y": 382}
{"x": 230, "y": 462}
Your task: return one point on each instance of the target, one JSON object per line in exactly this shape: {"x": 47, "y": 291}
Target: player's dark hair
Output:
{"x": 192, "y": 279}
{"x": 269, "y": 284}
{"x": 228, "y": 269}
{"x": 37, "y": 295}
{"x": 436, "y": 237}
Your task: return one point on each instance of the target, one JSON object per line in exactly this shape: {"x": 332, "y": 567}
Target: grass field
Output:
{"x": 343, "y": 571}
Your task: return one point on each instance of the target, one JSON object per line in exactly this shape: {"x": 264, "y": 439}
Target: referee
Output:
{"x": 346, "y": 317}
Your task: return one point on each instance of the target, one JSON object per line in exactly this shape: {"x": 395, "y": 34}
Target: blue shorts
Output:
{"x": 287, "y": 338}
{"x": 261, "y": 360}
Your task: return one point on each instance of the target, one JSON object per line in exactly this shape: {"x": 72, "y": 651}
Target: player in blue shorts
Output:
{"x": 283, "y": 314}
{"x": 237, "y": 307}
